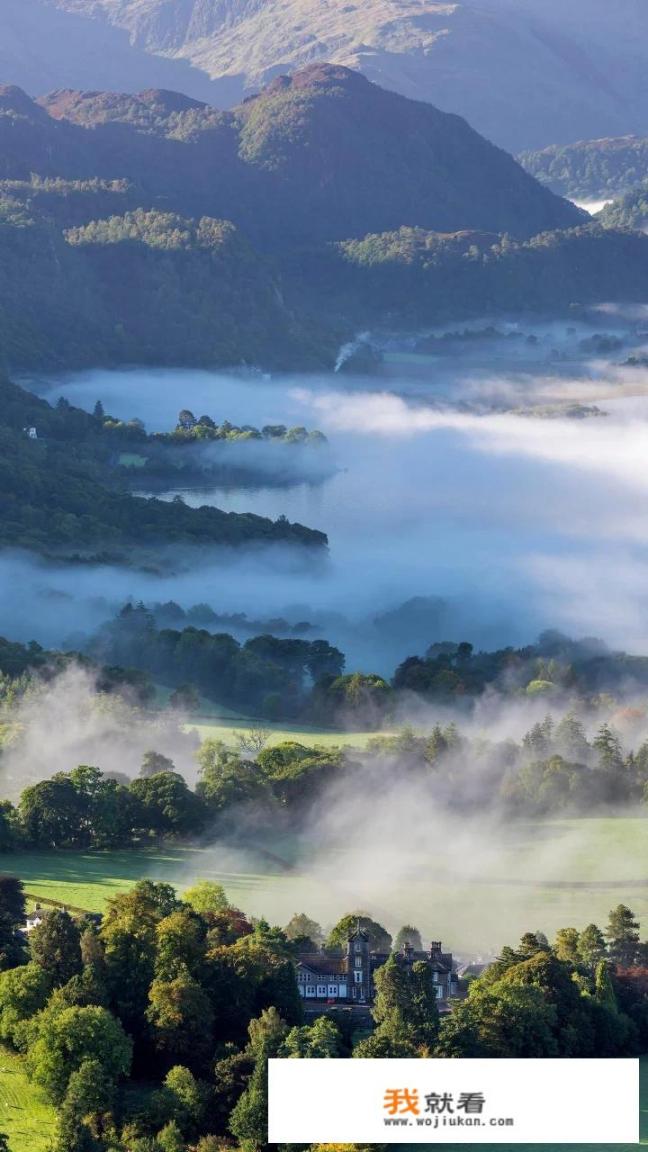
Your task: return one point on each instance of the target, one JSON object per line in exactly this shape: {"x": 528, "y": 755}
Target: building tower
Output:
{"x": 359, "y": 966}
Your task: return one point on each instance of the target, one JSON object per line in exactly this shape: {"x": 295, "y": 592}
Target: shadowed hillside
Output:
{"x": 322, "y": 156}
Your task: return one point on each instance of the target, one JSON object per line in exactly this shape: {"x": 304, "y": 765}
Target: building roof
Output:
{"x": 441, "y": 962}
{"x": 359, "y": 933}
{"x": 323, "y": 965}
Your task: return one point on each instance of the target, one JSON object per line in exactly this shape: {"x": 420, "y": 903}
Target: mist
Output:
{"x": 64, "y": 721}
{"x": 435, "y": 525}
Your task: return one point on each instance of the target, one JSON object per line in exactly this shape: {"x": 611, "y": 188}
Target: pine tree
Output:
{"x": 591, "y": 946}
{"x": 98, "y": 412}
{"x": 623, "y": 936}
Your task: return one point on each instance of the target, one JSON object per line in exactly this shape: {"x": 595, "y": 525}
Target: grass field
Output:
{"x": 25, "y": 1116}
{"x": 541, "y": 876}
{"x": 226, "y": 727}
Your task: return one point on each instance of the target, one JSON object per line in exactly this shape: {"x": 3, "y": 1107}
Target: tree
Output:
{"x": 608, "y": 747}
{"x": 226, "y": 780}
{"x": 86, "y": 1112}
{"x": 408, "y": 935}
{"x": 23, "y": 993}
{"x": 301, "y": 927}
{"x": 358, "y": 698}
{"x": 167, "y": 806}
{"x": 180, "y": 943}
{"x": 52, "y": 813}
{"x": 379, "y": 938}
{"x": 500, "y": 1021}
{"x": 252, "y": 740}
{"x": 604, "y": 990}
{"x": 12, "y": 920}
{"x": 186, "y": 698}
{"x": 55, "y": 944}
{"x": 206, "y": 898}
{"x": 320, "y": 1040}
{"x": 170, "y": 1138}
{"x": 622, "y": 935}
{"x": 65, "y": 1040}
{"x": 128, "y": 934}
{"x": 566, "y": 945}
{"x": 249, "y": 1119}
{"x": 98, "y": 412}
{"x": 154, "y": 762}
{"x": 591, "y": 946}
{"x": 184, "y": 1099}
{"x": 405, "y": 1007}
{"x": 181, "y": 1017}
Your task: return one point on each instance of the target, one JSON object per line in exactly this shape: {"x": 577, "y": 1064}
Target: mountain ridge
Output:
{"x": 520, "y": 71}
{"x": 321, "y": 155}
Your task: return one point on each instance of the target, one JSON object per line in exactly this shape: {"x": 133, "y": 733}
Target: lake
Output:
{"x": 449, "y": 487}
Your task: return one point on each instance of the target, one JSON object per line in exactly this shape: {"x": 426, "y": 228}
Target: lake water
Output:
{"x": 507, "y": 522}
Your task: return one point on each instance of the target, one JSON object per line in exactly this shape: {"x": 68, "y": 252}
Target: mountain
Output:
{"x": 591, "y": 169}
{"x": 154, "y": 229}
{"x": 322, "y": 155}
{"x": 526, "y": 73}
{"x": 44, "y": 47}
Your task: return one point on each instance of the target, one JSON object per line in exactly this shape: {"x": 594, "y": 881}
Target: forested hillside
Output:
{"x": 54, "y": 499}
{"x": 321, "y": 156}
{"x": 591, "y": 169}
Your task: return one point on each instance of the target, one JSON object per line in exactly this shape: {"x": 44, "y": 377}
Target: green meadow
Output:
{"x": 228, "y": 727}
{"x": 26, "y": 1118}
{"x": 528, "y": 876}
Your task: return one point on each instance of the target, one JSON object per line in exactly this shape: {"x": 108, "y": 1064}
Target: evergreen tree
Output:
{"x": 249, "y": 1119}
{"x": 622, "y": 934}
{"x": 591, "y": 946}
{"x": 55, "y": 944}
{"x": 566, "y": 945}
{"x": 408, "y": 935}
{"x": 608, "y": 748}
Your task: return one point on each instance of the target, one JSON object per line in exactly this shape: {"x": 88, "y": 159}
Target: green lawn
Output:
{"x": 226, "y": 727}
{"x": 537, "y": 876}
{"x": 25, "y": 1116}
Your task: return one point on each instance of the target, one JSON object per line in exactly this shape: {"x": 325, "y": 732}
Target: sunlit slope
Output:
{"x": 541, "y": 876}
{"x": 523, "y": 73}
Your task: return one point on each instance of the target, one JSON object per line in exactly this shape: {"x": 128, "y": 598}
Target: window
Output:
{"x": 321, "y": 991}
{"x": 358, "y": 961}
{"x": 357, "y": 976}
{"x": 332, "y": 989}
{"x": 357, "y": 947}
